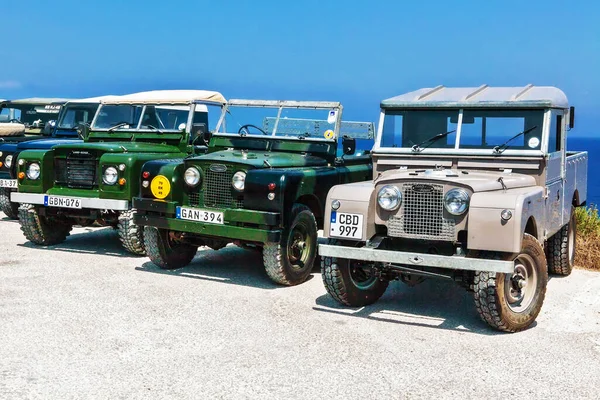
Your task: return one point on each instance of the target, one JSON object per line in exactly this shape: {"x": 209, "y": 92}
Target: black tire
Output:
{"x": 346, "y": 285}
{"x": 166, "y": 253}
{"x": 501, "y": 310}
{"x": 290, "y": 261}
{"x": 561, "y": 248}
{"x": 6, "y": 206}
{"x": 131, "y": 235}
{"x": 42, "y": 230}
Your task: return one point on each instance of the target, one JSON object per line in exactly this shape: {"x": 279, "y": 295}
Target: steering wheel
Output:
{"x": 15, "y": 121}
{"x": 245, "y": 128}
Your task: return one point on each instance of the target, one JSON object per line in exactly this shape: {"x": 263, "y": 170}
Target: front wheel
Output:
{"x": 10, "y": 209}
{"x": 290, "y": 261}
{"x": 512, "y": 302}
{"x": 350, "y": 282}
{"x": 44, "y": 231}
{"x": 165, "y": 248}
{"x": 131, "y": 235}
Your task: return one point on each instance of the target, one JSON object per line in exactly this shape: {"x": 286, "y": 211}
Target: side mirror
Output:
{"x": 49, "y": 128}
{"x": 571, "y": 117}
{"x": 200, "y": 132}
{"x": 348, "y": 145}
{"x": 83, "y": 131}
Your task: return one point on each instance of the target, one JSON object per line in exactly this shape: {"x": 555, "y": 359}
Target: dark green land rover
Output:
{"x": 262, "y": 185}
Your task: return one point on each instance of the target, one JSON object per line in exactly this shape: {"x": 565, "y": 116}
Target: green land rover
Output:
{"x": 94, "y": 180}
{"x": 262, "y": 185}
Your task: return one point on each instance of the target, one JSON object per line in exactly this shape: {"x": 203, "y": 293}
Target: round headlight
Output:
{"x": 192, "y": 176}
{"x": 456, "y": 201}
{"x": 33, "y": 171}
{"x": 110, "y": 176}
{"x": 8, "y": 160}
{"x": 389, "y": 198}
{"x": 239, "y": 180}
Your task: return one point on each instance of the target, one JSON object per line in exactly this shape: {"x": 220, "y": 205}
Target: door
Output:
{"x": 555, "y": 173}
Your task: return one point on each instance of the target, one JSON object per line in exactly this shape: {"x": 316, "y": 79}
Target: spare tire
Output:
{"x": 11, "y": 129}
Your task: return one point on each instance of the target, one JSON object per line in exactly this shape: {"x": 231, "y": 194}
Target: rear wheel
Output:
{"x": 290, "y": 261}
{"x": 131, "y": 235}
{"x": 166, "y": 249}
{"x": 512, "y": 302}
{"x": 42, "y": 230}
{"x": 10, "y": 209}
{"x": 351, "y": 282}
{"x": 561, "y": 248}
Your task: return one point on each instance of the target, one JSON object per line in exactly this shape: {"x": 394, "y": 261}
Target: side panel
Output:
{"x": 488, "y": 231}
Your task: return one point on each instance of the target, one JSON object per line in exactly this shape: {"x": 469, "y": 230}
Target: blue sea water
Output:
{"x": 591, "y": 145}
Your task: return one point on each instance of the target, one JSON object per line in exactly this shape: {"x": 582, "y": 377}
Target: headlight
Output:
{"x": 8, "y": 161}
{"x": 110, "y": 176}
{"x": 239, "y": 180}
{"x": 192, "y": 176}
{"x": 33, "y": 171}
{"x": 389, "y": 198}
{"x": 456, "y": 201}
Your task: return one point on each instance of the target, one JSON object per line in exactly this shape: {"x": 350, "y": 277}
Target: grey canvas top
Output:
{"x": 483, "y": 96}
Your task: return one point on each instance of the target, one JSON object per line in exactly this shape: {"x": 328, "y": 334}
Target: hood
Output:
{"x": 263, "y": 159}
{"x": 119, "y": 147}
{"x": 65, "y": 133}
{"x": 478, "y": 181}
{"x": 44, "y": 144}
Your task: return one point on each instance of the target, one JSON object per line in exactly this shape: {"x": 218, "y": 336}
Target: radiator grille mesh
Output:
{"x": 422, "y": 214}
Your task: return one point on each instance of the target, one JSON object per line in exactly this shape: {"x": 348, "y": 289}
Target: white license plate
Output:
{"x": 196, "y": 214}
{"x": 63, "y": 202}
{"x": 8, "y": 183}
{"x": 346, "y": 225}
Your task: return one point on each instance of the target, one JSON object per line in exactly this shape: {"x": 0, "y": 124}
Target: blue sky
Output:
{"x": 355, "y": 52}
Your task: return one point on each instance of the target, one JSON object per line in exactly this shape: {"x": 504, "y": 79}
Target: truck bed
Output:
{"x": 576, "y": 176}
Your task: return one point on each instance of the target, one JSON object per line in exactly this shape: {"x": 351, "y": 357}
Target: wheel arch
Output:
{"x": 311, "y": 201}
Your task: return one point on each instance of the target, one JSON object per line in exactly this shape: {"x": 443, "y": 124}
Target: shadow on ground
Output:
{"x": 435, "y": 304}
{"x": 104, "y": 241}
{"x": 230, "y": 265}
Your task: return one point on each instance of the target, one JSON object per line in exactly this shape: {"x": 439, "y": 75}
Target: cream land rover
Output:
{"x": 470, "y": 184}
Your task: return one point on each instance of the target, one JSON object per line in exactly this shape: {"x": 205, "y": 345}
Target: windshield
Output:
{"x": 163, "y": 118}
{"x": 29, "y": 114}
{"x": 298, "y": 122}
{"x": 74, "y": 115}
{"x": 480, "y": 129}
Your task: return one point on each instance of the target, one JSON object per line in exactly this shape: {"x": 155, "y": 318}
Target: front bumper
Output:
{"x": 245, "y": 225}
{"x": 416, "y": 259}
{"x": 86, "y": 202}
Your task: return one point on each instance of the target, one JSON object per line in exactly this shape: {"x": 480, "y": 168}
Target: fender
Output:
{"x": 172, "y": 170}
{"x": 354, "y": 198}
{"x": 488, "y": 231}
{"x": 46, "y": 160}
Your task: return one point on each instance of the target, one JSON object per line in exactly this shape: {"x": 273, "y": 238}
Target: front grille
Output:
{"x": 422, "y": 214}
{"x": 216, "y": 188}
{"x": 78, "y": 170}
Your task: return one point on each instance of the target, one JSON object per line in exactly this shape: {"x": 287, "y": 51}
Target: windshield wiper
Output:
{"x": 154, "y": 128}
{"x": 117, "y": 126}
{"x": 500, "y": 148}
{"x": 417, "y": 147}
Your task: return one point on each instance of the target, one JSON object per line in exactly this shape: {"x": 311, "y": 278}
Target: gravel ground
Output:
{"x": 86, "y": 320}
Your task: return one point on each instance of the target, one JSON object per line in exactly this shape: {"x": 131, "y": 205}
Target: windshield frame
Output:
{"x": 281, "y": 105}
{"x": 457, "y": 150}
{"x": 65, "y": 108}
{"x": 137, "y": 129}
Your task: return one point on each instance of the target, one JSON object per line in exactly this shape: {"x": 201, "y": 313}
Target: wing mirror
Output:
{"x": 83, "y": 131}
{"x": 200, "y": 132}
{"x": 49, "y": 127}
{"x": 348, "y": 145}
{"x": 571, "y": 117}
